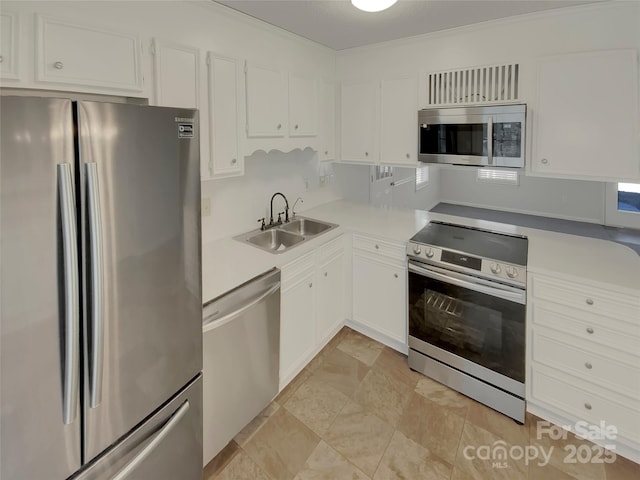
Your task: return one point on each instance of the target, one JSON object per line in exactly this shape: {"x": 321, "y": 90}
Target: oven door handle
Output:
{"x": 502, "y": 291}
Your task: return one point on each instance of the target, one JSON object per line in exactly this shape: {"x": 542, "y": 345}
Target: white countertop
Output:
{"x": 228, "y": 263}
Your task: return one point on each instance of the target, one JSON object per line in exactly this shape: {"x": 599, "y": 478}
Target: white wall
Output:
{"x": 569, "y": 199}
{"x": 237, "y": 202}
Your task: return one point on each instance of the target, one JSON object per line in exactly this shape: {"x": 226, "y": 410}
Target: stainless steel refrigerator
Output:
{"x": 101, "y": 319}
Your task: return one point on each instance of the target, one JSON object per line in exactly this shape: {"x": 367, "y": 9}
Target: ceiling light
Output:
{"x": 373, "y": 5}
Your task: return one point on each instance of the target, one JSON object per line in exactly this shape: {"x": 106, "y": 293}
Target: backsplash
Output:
{"x": 238, "y": 202}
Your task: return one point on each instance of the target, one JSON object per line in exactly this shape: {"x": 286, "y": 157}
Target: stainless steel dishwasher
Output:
{"x": 241, "y": 336}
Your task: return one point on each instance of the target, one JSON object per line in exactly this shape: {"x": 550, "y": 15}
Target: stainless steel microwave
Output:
{"x": 461, "y": 135}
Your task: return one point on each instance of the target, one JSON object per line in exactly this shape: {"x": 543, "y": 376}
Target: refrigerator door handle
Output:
{"x": 153, "y": 444}
{"x": 72, "y": 301}
{"x": 97, "y": 287}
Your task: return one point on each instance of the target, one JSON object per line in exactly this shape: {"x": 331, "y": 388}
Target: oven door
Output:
{"x": 471, "y": 324}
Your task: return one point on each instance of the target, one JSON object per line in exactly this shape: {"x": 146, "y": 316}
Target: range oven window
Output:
{"x": 481, "y": 328}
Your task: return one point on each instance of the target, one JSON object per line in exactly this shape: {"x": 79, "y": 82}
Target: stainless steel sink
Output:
{"x": 274, "y": 240}
{"x": 283, "y": 237}
{"x": 306, "y": 226}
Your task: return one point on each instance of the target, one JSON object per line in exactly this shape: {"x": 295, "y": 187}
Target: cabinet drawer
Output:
{"x": 586, "y": 298}
{"x": 391, "y": 250}
{"x": 604, "y": 331}
{"x": 583, "y": 404}
{"x": 299, "y": 268}
{"x": 331, "y": 249}
{"x": 554, "y": 351}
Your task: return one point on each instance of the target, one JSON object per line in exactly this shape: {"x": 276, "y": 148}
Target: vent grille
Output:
{"x": 473, "y": 86}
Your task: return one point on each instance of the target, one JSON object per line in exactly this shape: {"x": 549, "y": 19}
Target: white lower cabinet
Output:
{"x": 584, "y": 358}
{"x": 380, "y": 290}
{"x": 312, "y": 306}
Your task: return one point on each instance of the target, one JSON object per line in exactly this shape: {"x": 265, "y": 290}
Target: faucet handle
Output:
{"x": 280, "y": 217}
{"x": 262, "y": 227}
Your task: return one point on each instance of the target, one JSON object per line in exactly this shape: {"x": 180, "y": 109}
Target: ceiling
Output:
{"x": 339, "y": 25}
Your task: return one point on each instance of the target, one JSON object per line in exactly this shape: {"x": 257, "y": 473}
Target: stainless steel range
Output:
{"x": 467, "y": 303}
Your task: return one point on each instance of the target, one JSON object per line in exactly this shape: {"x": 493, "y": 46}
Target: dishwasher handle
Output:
{"x": 210, "y": 323}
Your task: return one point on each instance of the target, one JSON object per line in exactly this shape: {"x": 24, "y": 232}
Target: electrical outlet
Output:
{"x": 323, "y": 180}
{"x": 206, "y": 206}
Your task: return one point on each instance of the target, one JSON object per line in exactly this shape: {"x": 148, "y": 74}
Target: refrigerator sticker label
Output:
{"x": 185, "y": 130}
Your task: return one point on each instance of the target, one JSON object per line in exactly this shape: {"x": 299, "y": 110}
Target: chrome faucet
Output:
{"x": 286, "y": 211}
{"x": 293, "y": 209}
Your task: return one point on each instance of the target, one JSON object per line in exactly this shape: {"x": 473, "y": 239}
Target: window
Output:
{"x": 505, "y": 177}
{"x": 629, "y": 197}
{"x": 422, "y": 177}
{"x": 622, "y": 205}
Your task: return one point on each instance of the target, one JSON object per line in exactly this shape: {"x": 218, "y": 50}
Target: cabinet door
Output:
{"x": 9, "y": 46}
{"x": 81, "y": 55}
{"x": 399, "y": 121}
{"x": 379, "y": 296}
{"x": 303, "y": 106}
{"x": 331, "y": 286}
{"x": 327, "y": 122}
{"x": 586, "y": 120}
{"x": 266, "y": 102}
{"x": 176, "y": 69}
{"x": 224, "y": 116}
{"x": 297, "y": 326}
{"x": 359, "y": 127}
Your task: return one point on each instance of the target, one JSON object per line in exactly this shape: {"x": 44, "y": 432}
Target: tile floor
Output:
{"x": 358, "y": 412}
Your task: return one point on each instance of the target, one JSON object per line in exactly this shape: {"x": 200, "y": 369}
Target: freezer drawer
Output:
{"x": 241, "y": 358}
{"x": 168, "y": 446}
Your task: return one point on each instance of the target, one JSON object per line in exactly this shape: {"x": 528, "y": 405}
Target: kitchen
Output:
{"x": 236, "y": 194}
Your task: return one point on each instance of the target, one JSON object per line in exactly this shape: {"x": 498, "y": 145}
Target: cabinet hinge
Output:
{"x": 245, "y": 67}
{"x": 208, "y": 60}
{"x": 152, "y": 48}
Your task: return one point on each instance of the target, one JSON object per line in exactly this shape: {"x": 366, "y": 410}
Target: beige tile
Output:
{"x": 405, "y": 459}
{"x": 316, "y": 404}
{"x": 293, "y": 385}
{"x": 360, "y": 436}
{"x": 215, "y": 466}
{"x": 622, "y": 469}
{"x": 327, "y": 464}
{"x": 442, "y": 395}
{"x": 498, "y": 424}
{"x": 282, "y": 445}
{"x": 435, "y": 427}
{"x": 563, "y": 454}
{"x": 358, "y": 346}
{"x": 384, "y": 396}
{"x": 254, "y": 425}
{"x": 547, "y": 472}
{"x": 342, "y": 372}
{"x": 241, "y": 467}
{"x": 476, "y": 457}
{"x": 395, "y": 364}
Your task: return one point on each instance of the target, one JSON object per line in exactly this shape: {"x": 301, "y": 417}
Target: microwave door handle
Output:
{"x": 490, "y": 141}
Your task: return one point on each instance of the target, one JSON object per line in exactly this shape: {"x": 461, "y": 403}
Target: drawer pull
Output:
{"x": 589, "y": 330}
{"x": 589, "y": 301}
{"x": 587, "y": 405}
{"x": 325, "y": 274}
{"x": 395, "y": 275}
{"x": 588, "y": 366}
{"x": 377, "y": 247}
{"x": 310, "y": 285}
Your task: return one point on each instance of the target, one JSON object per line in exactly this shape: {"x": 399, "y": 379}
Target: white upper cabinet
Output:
{"x": 303, "y": 106}
{"x": 585, "y": 122}
{"x": 224, "y": 116}
{"x": 359, "y": 126}
{"x": 176, "y": 69}
{"x": 82, "y": 55}
{"x": 399, "y": 121}
{"x": 326, "y": 150}
{"x": 266, "y": 101}
{"x": 9, "y": 46}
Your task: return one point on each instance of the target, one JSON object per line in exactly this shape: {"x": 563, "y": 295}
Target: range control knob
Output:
{"x": 417, "y": 250}
{"x": 429, "y": 253}
{"x": 512, "y": 272}
{"x": 495, "y": 268}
